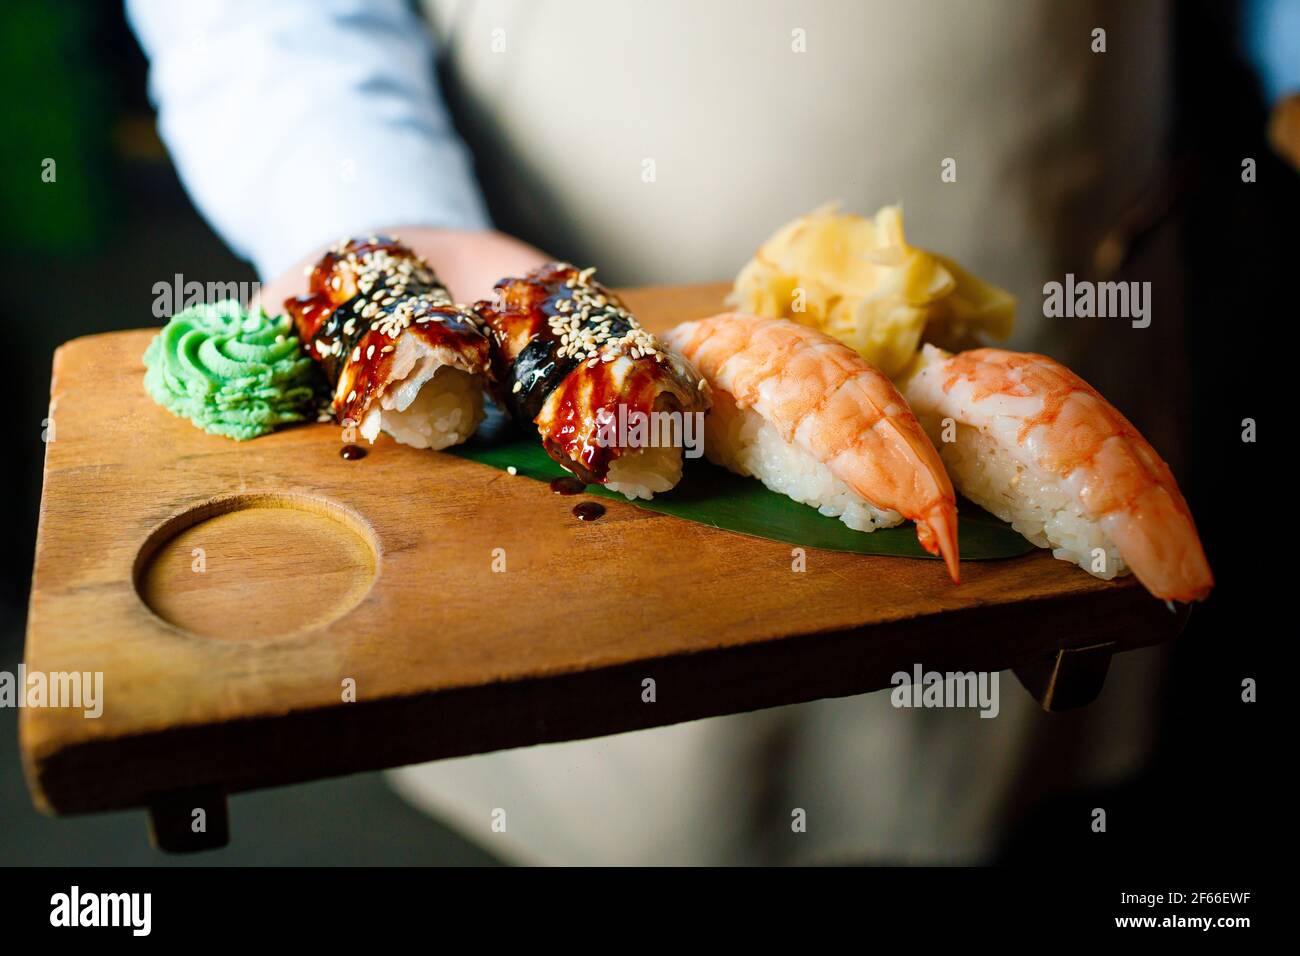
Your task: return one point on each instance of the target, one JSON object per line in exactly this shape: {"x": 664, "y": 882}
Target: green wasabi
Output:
{"x": 230, "y": 372}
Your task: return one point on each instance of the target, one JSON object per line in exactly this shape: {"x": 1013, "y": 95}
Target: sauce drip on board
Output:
{"x": 567, "y": 486}
{"x": 352, "y": 453}
{"x": 588, "y": 511}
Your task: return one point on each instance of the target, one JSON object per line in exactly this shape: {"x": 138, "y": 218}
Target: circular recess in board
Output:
{"x": 257, "y": 566}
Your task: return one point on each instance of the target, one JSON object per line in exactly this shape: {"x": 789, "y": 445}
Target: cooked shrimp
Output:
{"x": 1080, "y": 473}
{"x": 835, "y": 412}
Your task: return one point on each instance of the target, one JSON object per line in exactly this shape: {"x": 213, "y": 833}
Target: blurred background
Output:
{"x": 82, "y": 257}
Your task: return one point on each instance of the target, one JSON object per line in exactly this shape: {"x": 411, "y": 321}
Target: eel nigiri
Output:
{"x": 569, "y": 357}
{"x": 1039, "y": 447}
{"x": 812, "y": 419}
{"x": 400, "y": 355}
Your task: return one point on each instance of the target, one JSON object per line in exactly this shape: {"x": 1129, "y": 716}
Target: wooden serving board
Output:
{"x": 231, "y": 594}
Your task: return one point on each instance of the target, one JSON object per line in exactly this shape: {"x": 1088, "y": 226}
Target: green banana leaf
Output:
{"x": 713, "y": 496}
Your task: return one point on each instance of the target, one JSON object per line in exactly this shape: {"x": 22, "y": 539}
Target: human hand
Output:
{"x": 1284, "y": 130}
{"x": 469, "y": 262}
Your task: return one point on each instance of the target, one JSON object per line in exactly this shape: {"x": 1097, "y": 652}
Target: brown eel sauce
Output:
{"x": 567, "y": 486}
{"x": 563, "y": 394}
{"x": 588, "y": 511}
{"x": 353, "y": 333}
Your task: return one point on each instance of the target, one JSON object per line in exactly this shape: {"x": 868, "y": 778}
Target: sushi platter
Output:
{"x": 273, "y": 611}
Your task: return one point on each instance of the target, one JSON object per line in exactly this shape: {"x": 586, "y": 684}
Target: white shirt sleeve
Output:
{"x": 296, "y": 122}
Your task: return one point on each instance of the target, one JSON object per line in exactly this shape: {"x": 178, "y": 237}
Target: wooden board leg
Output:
{"x": 1070, "y": 678}
{"x": 189, "y": 821}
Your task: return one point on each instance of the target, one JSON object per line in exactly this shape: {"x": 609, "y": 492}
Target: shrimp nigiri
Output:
{"x": 1036, "y": 445}
{"x": 812, "y": 419}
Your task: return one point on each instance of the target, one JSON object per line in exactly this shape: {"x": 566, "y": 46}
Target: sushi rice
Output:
{"x": 1034, "y": 503}
{"x": 427, "y": 404}
{"x": 645, "y": 472}
{"x": 741, "y": 440}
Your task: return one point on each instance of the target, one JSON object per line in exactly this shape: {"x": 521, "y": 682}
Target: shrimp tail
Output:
{"x": 937, "y": 532}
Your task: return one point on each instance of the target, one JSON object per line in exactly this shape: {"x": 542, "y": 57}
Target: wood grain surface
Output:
{"x": 319, "y": 573}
